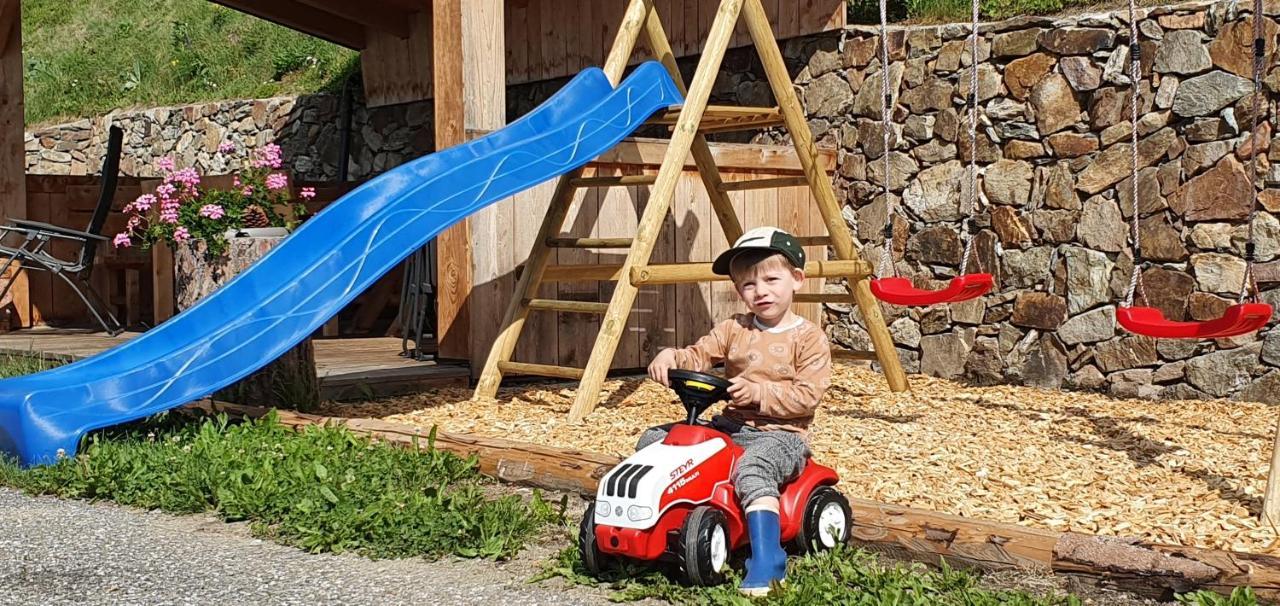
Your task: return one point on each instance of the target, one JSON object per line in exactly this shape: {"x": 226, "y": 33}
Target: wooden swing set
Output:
{"x": 689, "y": 123}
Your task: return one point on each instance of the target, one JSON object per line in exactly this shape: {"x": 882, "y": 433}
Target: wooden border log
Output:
{"x": 1149, "y": 569}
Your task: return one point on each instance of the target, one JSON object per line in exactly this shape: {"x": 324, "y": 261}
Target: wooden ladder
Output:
{"x": 689, "y": 123}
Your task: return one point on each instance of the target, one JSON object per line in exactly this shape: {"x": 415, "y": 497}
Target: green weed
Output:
{"x": 845, "y": 576}
{"x": 321, "y": 489}
{"x": 12, "y": 365}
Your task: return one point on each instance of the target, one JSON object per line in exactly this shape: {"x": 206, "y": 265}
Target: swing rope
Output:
{"x": 885, "y": 102}
{"x": 966, "y": 231}
{"x": 1135, "y": 81}
{"x": 1250, "y": 284}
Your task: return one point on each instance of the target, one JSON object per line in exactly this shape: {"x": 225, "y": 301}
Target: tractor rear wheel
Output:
{"x": 828, "y": 521}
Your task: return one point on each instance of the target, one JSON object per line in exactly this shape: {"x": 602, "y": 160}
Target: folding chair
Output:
{"x": 37, "y": 238}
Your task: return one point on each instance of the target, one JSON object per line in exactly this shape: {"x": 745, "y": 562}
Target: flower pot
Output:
{"x": 290, "y": 380}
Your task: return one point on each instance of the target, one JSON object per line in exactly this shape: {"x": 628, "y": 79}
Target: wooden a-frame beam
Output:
{"x": 296, "y": 15}
{"x": 392, "y": 20}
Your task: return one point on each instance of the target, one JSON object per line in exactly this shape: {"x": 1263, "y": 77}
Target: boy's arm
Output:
{"x": 708, "y": 350}
{"x": 799, "y": 396}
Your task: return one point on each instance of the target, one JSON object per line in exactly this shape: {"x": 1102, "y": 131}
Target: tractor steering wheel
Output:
{"x": 697, "y": 391}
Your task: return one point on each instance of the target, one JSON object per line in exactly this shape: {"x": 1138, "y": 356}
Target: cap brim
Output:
{"x": 721, "y": 265}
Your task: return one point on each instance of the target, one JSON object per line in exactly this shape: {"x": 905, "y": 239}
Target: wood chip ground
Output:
{"x": 1181, "y": 472}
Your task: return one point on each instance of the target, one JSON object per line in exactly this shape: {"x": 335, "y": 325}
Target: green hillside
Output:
{"x": 87, "y": 57}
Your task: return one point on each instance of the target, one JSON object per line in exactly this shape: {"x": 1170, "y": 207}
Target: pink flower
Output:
{"x": 166, "y": 191}
{"x": 277, "y": 181}
{"x": 169, "y": 211}
{"x": 122, "y": 240}
{"x": 226, "y": 147}
{"x": 307, "y": 193}
{"x": 181, "y": 235}
{"x": 247, "y": 191}
{"x": 235, "y": 181}
{"x": 165, "y": 164}
{"x": 212, "y": 211}
{"x": 134, "y": 222}
{"x": 268, "y": 157}
{"x": 187, "y": 176}
{"x": 144, "y": 203}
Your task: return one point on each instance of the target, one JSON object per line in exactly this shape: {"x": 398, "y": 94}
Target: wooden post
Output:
{"x": 13, "y": 166}
{"x": 686, "y": 130}
{"x": 1271, "y": 502}
{"x": 841, "y": 240}
{"x": 161, "y": 282}
{"x": 470, "y": 94}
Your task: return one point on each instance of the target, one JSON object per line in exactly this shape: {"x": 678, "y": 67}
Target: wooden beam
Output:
{"x": 680, "y": 273}
{"x": 296, "y": 15}
{"x": 13, "y": 182}
{"x": 368, "y": 14}
{"x": 1130, "y": 564}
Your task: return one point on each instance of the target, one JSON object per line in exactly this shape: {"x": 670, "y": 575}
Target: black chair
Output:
{"x": 34, "y": 254}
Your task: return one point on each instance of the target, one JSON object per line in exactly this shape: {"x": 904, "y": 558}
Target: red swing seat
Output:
{"x": 1237, "y": 320}
{"x": 900, "y": 291}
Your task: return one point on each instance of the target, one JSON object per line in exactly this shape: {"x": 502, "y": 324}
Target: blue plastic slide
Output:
{"x": 306, "y": 279}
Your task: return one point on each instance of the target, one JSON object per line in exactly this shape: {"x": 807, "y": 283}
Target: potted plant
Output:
{"x": 216, "y": 232}
{"x": 183, "y": 211}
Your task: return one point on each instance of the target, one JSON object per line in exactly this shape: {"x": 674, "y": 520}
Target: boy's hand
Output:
{"x": 743, "y": 392}
{"x": 664, "y": 361}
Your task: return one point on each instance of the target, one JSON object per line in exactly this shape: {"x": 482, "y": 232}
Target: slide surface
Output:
{"x": 310, "y": 276}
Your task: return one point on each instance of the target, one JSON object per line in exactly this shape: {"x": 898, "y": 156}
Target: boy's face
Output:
{"x": 768, "y": 288}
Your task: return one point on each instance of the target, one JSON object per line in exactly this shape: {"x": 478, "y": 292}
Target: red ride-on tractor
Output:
{"x": 674, "y": 501}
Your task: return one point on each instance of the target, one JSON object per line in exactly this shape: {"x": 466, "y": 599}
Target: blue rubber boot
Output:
{"x": 768, "y": 562}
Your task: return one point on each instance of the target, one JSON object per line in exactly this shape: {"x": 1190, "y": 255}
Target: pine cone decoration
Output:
{"x": 255, "y": 216}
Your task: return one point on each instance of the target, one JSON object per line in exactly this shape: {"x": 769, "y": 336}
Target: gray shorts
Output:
{"x": 769, "y": 459}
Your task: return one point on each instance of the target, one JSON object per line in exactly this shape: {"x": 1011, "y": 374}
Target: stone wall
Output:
{"x": 306, "y": 127}
{"x": 1054, "y": 161}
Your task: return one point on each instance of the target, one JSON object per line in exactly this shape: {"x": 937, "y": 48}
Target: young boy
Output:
{"x": 779, "y": 365}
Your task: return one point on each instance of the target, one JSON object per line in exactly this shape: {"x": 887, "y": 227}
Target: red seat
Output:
{"x": 900, "y": 291}
{"x": 1238, "y": 320}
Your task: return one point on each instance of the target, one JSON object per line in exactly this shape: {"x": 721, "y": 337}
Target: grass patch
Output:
{"x": 17, "y": 365}
{"x": 323, "y": 489}
{"x": 845, "y": 576}
{"x": 87, "y": 58}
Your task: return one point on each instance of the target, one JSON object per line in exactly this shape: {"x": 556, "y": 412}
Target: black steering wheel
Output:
{"x": 697, "y": 390}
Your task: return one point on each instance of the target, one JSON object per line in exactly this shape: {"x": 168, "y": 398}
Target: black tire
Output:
{"x": 811, "y": 537}
{"x": 592, "y": 558}
{"x": 703, "y": 564}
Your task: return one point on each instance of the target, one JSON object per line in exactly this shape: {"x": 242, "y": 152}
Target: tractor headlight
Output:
{"x": 636, "y": 513}
{"x": 602, "y": 509}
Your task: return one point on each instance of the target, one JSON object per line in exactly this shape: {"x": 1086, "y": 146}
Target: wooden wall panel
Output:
{"x": 547, "y": 39}
{"x": 12, "y": 166}
{"x": 399, "y": 70}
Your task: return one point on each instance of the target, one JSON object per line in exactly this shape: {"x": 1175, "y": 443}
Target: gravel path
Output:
{"x": 71, "y": 552}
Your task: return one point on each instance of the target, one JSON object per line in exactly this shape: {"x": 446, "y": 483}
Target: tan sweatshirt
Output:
{"x": 792, "y": 363}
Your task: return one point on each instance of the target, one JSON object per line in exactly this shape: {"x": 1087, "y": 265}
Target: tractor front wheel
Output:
{"x": 592, "y": 558}
{"x": 705, "y": 546}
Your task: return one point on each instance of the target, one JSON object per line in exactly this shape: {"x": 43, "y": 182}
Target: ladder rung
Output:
{"x": 814, "y": 240}
{"x": 590, "y": 242}
{"x": 727, "y": 118}
{"x": 773, "y": 183}
{"x": 581, "y": 273}
{"x": 616, "y": 181}
{"x": 576, "y": 307}
{"x": 845, "y": 354}
{"x": 823, "y": 297}
{"x": 541, "y": 370}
